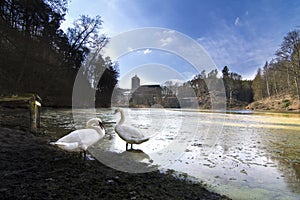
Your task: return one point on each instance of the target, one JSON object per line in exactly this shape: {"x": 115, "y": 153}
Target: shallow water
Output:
{"x": 245, "y": 155}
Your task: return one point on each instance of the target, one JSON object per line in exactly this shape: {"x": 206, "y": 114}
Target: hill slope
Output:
{"x": 276, "y": 103}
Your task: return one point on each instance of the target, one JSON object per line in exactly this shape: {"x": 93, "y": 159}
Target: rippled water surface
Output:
{"x": 241, "y": 154}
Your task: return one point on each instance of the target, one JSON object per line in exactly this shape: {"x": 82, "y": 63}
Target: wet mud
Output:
{"x": 32, "y": 169}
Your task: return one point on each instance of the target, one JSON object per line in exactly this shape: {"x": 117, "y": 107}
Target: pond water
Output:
{"x": 242, "y": 154}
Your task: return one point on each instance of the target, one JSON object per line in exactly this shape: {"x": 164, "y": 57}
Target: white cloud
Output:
{"x": 237, "y": 21}
{"x": 168, "y": 32}
{"x": 166, "y": 41}
{"x": 147, "y": 51}
{"x": 234, "y": 50}
{"x": 130, "y": 49}
{"x": 200, "y": 39}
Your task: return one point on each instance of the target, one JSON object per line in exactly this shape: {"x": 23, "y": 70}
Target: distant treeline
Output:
{"x": 36, "y": 56}
{"x": 237, "y": 92}
{"x": 280, "y": 76}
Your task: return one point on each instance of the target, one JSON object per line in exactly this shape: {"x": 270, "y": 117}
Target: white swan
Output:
{"x": 80, "y": 140}
{"x": 129, "y": 134}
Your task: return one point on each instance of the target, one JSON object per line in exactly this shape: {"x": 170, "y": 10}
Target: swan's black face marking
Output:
{"x": 101, "y": 125}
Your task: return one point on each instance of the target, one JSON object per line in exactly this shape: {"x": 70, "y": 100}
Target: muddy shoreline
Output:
{"x": 32, "y": 169}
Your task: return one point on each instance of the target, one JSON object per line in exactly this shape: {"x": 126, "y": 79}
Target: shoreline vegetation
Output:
{"x": 276, "y": 103}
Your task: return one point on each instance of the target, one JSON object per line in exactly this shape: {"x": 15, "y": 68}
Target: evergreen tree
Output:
{"x": 258, "y": 84}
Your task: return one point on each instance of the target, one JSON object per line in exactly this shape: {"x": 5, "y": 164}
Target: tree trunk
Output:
{"x": 267, "y": 83}
{"x": 288, "y": 79}
{"x": 275, "y": 85}
{"x": 297, "y": 89}
{"x": 230, "y": 96}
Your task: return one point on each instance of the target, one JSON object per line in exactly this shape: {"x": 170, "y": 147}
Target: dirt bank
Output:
{"x": 281, "y": 103}
{"x": 32, "y": 169}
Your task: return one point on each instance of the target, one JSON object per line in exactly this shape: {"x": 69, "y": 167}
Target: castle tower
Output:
{"x": 135, "y": 83}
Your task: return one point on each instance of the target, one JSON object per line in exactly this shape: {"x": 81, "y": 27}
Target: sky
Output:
{"x": 242, "y": 35}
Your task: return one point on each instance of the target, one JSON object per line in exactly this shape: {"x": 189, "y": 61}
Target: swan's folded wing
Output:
{"x": 71, "y": 137}
{"x": 88, "y": 137}
{"x": 79, "y": 139}
{"x": 128, "y": 133}
{"x": 74, "y": 146}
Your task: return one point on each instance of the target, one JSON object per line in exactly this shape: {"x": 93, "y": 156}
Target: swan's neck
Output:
{"x": 90, "y": 123}
{"x": 122, "y": 119}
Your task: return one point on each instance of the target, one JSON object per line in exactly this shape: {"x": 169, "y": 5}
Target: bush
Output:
{"x": 286, "y": 103}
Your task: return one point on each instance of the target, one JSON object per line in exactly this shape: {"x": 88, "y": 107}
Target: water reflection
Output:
{"x": 245, "y": 156}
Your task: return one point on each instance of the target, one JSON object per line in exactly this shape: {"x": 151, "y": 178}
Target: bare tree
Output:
{"x": 83, "y": 37}
{"x": 266, "y": 76}
{"x": 290, "y": 52}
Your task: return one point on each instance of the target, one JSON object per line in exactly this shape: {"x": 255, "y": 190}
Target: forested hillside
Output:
{"x": 36, "y": 56}
{"x": 280, "y": 77}
{"x": 238, "y": 92}
{"x": 277, "y": 82}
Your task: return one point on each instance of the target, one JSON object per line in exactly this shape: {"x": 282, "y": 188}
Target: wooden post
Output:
{"x": 39, "y": 117}
{"x": 34, "y": 115}
{"x": 32, "y": 101}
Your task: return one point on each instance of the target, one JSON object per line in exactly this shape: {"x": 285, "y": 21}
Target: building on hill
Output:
{"x": 146, "y": 95}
